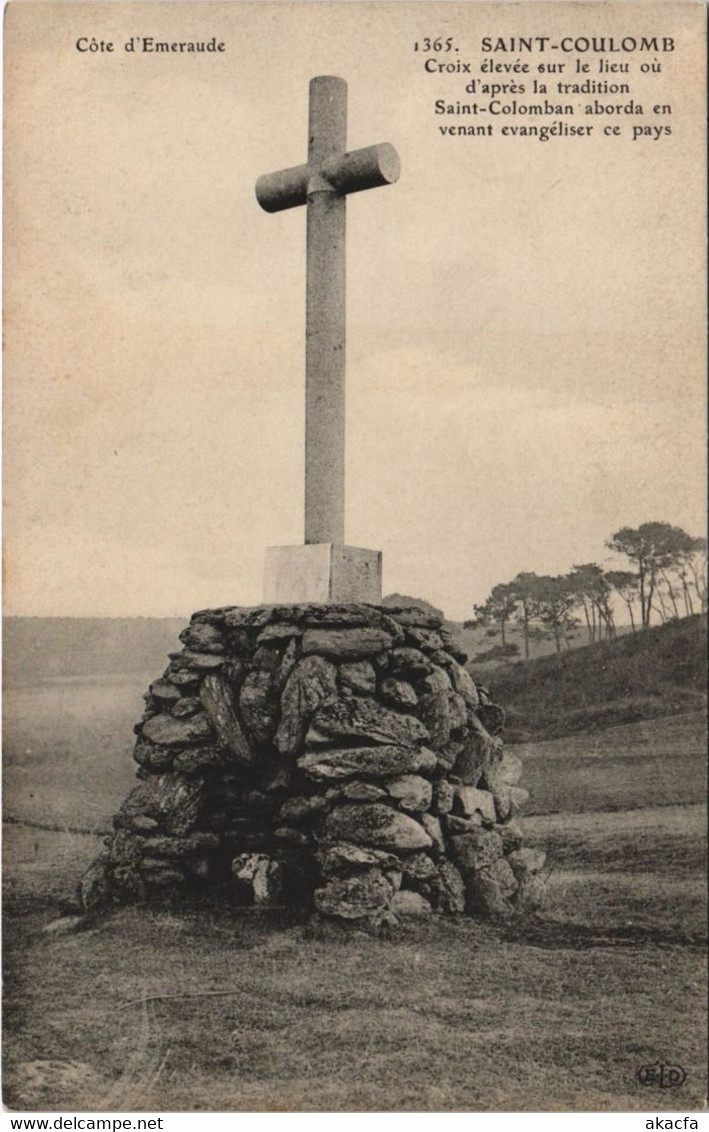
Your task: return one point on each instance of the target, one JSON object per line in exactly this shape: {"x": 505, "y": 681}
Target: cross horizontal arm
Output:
{"x": 362, "y": 168}
{"x": 345, "y": 173}
{"x": 285, "y": 189}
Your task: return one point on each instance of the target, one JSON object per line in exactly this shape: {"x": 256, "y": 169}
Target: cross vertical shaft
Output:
{"x": 325, "y": 321}
{"x": 325, "y": 569}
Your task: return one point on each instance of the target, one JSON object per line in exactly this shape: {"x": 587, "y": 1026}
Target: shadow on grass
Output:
{"x": 247, "y": 928}
{"x": 556, "y": 935}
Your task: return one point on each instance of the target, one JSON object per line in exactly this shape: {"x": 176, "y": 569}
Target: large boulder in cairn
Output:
{"x": 219, "y": 700}
{"x": 346, "y": 644}
{"x": 409, "y": 664}
{"x": 312, "y": 615}
{"x": 165, "y": 692}
{"x": 418, "y": 870}
{"x": 509, "y": 800}
{"x": 528, "y": 868}
{"x": 172, "y": 800}
{"x": 449, "y": 889}
{"x": 259, "y": 706}
{"x": 428, "y": 640}
{"x": 398, "y": 693}
{"x": 154, "y": 758}
{"x": 376, "y": 825}
{"x": 461, "y": 680}
{"x": 501, "y": 775}
{"x": 505, "y": 770}
{"x": 407, "y": 904}
{"x": 186, "y": 680}
{"x": 200, "y": 636}
{"x": 410, "y": 612}
{"x": 343, "y": 857}
{"x": 177, "y": 848}
{"x": 196, "y": 759}
{"x": 312, "y": 680}
{"x": 364, "y": 896}
{"x": 432, "y": 826}
{"x": 357, "y": 790}
{"x": 469, "y": 801}
{"x": 474, "y": 755}
{"x": 476, "y": 849}
{"x": 368, "y": 762}
{"x": 186, "y": 705}
{"x": 365, "y": 721}
{"x": 167, "y": 731}
{"x": 278, "y": 633}
{"x": 359, "y": 677}
{"x": 434, "y": 704}
{"x": 195, "y": 661}
{"x": 489, "y": 894}
{"x": 343, "y": 751}
{"x": 492, "y": 717}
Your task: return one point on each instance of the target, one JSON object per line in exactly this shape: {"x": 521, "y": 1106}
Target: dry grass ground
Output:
{"x": 67, "y": 747}
{"x": 555, "y": 1014}
{"x": 655, "y": 762}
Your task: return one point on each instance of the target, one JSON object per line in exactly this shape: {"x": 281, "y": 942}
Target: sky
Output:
{"x": 525, "y": 321}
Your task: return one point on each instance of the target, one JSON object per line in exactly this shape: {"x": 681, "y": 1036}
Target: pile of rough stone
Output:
{"x": 335, "y": 759}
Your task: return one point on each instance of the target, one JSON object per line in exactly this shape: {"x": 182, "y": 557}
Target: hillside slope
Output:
{"x": 659, "y": 672}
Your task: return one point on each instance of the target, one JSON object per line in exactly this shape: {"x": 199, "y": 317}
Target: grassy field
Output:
{"x": 67, "y": 747}
{"x": 226, "y": 1011}
{"x": 655, "y": 762}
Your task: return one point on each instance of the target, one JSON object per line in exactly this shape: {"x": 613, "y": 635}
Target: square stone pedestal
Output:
{"x": 322, "y": 572}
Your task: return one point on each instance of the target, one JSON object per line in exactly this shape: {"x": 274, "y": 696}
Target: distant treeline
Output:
{"x": 40, "y": 648}
{"x": 667, "y": 580}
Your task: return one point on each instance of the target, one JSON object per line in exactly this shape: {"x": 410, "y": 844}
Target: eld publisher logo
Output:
{"x": 666, "y": 1076}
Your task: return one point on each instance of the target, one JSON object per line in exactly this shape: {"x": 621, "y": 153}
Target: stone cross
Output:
{"x": 323, "y": 184}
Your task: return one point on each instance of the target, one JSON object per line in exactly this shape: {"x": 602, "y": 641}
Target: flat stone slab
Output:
{"x": 376, "y": 825}
{"x": 383, "y": 761}
{"x": 364, "y": 721}
{"x": 170, "y": 732}
{"x": 346, "y": 644}
{"x": 344, "y": 856}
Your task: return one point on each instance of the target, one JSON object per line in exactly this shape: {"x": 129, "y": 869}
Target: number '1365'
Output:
{"x": 434, "y": 44}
